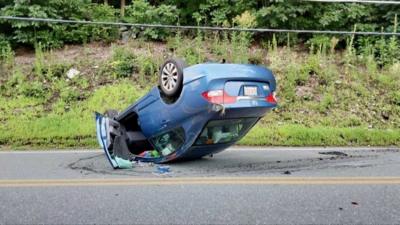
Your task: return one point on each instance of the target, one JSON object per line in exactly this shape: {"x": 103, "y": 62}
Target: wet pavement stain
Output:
{"x": 337, "y": 153}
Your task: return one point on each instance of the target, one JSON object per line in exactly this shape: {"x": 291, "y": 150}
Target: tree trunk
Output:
{"x": 122, "y": 8}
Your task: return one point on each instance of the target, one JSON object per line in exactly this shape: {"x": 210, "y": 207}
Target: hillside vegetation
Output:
{"x": 332, "y": 89}
{"x": 279, "y": 14}
{"x": 326, "y": 97}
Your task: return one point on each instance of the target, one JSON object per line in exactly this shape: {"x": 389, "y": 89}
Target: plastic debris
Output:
{"x": 162, "y": 170}
{"x": 155, "y": 153}
{"x": 72, "y": 73}
{"x": 150, "y": 154}
{"x": 123, "y": 163}
{"x": 143, "y": 164}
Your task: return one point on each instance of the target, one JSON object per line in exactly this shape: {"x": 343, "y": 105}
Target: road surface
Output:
{"x": 239, "y": 186}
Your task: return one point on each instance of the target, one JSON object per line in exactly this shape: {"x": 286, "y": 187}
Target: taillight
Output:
{"x": 218, "y": 97}
{"x": 271, "y": 98}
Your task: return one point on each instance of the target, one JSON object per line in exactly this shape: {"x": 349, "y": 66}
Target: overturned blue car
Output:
{"x": 193, "y": 112}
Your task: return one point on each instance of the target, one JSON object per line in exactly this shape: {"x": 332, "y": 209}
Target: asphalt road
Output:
{"x": 238, "y": 186}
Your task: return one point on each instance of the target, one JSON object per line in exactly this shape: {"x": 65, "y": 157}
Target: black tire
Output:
{"x": 171, "y": 77}
{"x": 111, "y": 113}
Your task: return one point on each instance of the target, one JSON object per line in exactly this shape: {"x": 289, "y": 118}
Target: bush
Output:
{"x": 141, "y": 11}
{"x": 123, "y": 62}
{"x": 70, "y": 94}
{"x": 319, "y": 44}
{"x": 326, "y": 102}
{"x": 33, "y": 89}
{"x": 6, "y": 55}
{"x": 53, "y": 34}
{"x": 395, "y": 97}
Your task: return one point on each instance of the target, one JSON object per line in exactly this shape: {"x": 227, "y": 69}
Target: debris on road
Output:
{"x": 287, "y": 172}
{"x": 143, "y": 164}
{"x": 123, "y": 163}
{"x": 162, "y": 170}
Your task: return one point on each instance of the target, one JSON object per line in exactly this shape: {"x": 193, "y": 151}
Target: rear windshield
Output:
{"x": 224, "y": 131}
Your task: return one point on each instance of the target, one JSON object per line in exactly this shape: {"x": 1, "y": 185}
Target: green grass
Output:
{"x": 324, "y": 100}
{"x": 65, "y": 126}
{"x": 58, "y": 131}
{"x": 298, "y": 135}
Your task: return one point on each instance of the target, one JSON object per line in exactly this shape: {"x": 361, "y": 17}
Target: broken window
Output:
{"x": 168, "y": 142}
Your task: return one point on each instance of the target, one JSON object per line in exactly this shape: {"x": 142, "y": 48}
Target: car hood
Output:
{"x": 231, "y": 71}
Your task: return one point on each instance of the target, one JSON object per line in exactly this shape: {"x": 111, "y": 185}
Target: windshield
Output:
{"x": 225, "y": 131}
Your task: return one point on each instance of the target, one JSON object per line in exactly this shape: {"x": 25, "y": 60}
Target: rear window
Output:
{"x": 224, "y": 131}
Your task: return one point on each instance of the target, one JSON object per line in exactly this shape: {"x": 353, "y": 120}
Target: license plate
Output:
{"x": 250, "y": 91}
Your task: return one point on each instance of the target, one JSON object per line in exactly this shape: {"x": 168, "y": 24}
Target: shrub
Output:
{"x": 319, "y": 44}
{"x": 69, "y": 94}
{"x": 6, "y": 55}
{"x": 55, "y": 35}
{"x": 123, "y": 62}
{"x": 33, "y": 89}
{"x": 326, "y": 102}
{"x": 141, "y": 11}
{"x": 395, "y": 97}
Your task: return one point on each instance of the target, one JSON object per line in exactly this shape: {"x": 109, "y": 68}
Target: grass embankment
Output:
{"x": 324, "y": 98}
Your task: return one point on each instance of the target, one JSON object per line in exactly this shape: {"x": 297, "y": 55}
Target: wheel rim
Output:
{"x": 169, "y": 76}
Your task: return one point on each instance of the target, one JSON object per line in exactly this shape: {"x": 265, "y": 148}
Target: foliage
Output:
{"x": 270, "y": 14}
{"x": 123, "y": 62}
{"x": 55, "y": 35}
{"x": 6, "y": 55}
{"x": 140, "y": 11}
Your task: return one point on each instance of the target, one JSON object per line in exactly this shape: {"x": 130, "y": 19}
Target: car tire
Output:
{"x": 171, "y": 77}
{"x": 111, "y": 113}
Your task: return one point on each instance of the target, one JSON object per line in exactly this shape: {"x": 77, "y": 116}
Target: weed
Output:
{"x": 326, "y": 103}
{"x": 33, "y": 89}
{"x": 39, "y": 60}
{"x": 147, "y": 69}
{"x": 6, "y": 55}
{"x": 123, "y": 62}
{"x": 320, "y": 43}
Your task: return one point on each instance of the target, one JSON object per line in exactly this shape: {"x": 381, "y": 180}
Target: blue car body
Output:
{"x": 218, "y": 105}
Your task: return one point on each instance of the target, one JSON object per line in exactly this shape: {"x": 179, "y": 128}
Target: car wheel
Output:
{"x": 171, "y": 77}
{"x": 111, "y": 113}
